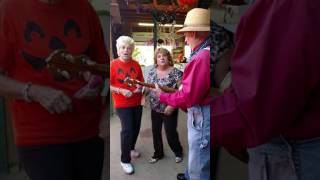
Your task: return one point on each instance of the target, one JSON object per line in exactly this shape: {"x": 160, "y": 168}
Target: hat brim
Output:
{"x": 193, "y": 29}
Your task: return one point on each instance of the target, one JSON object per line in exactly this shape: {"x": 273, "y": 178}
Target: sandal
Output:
{"x": 178, "y": 159}
{"x": 153, "y": 159}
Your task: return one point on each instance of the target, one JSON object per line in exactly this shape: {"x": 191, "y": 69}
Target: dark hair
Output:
{"x": 164, "y": 52}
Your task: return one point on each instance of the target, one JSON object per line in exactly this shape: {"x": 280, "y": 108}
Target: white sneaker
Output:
{"x": 134, "y": 154}
{"x": 127, "y": 168}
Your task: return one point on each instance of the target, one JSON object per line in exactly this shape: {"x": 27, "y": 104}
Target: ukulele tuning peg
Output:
{"x": 66, "y": 75}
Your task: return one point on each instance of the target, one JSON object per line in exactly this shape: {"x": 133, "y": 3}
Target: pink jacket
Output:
{"x": 195, "y": 83}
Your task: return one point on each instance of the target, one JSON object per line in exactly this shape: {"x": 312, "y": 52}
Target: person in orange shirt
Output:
{"x": 127, "y": 99}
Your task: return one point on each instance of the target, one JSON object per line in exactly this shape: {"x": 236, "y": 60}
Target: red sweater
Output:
{"x": 119, "y": 70}
{"x": 29, "y": 32}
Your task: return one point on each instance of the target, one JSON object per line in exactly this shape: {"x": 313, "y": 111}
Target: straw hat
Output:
{"x": 197, "y": 19}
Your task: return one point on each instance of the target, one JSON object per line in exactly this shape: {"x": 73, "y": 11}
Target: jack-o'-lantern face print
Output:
{"x": 38, "y": 40}
{"x": 122, "y": 74}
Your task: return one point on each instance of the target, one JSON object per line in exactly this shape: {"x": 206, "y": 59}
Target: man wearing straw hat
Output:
{"x": 272, "y": 106}
{"x": 194, "y": 94}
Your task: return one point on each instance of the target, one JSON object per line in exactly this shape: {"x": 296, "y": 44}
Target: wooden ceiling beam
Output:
{"x": 132, "y": 16}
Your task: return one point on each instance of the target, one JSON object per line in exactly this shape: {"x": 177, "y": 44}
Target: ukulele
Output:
{"x": 132, "y": 82}
{"x": 64, "y": 66}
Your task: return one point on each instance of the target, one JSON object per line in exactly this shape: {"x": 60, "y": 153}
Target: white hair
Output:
{"x": 125, "y": 40}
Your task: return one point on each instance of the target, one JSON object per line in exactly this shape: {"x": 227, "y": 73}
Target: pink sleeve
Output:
{"x": 195, "y": 83}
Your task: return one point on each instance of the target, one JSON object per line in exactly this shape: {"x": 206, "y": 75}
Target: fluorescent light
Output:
{"x": 146, "y": 24}
{"x": 166, "y": 25}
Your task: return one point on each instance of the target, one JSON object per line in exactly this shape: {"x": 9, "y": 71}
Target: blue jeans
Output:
{"x": 284, "y": 159}
{"x": 199, "y": 143}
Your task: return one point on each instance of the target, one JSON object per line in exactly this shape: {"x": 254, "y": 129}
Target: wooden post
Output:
{"x": 155, "y": 34}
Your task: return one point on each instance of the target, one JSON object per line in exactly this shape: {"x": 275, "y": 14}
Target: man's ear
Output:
{"x": 194, "y": 34}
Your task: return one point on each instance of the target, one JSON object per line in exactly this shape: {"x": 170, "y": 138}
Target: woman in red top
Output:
{"x": 127, "y": 99}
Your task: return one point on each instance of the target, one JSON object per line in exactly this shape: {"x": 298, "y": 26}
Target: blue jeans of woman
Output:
{"x": 199, "y": 143}
{"x": 285, "y": 159}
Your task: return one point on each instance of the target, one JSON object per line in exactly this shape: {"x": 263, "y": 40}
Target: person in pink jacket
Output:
{"x": 272, "y": 107}
{"x": 195, "y": 94}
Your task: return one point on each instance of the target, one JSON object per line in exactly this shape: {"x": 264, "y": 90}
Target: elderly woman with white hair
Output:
{"x": 127, "y": 99}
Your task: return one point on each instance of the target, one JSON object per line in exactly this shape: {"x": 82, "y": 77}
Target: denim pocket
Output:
{"x": 196, "y": 117}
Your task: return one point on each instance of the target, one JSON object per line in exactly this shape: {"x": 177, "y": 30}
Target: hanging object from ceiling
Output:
{"x": 163, "y": 18}
{"x": 188, "y": 3}
{"x": 172, "y": 6}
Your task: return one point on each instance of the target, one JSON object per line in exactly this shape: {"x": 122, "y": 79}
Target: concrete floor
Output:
{"x": 229, "y": 168}
{"x": 165, "y": 169}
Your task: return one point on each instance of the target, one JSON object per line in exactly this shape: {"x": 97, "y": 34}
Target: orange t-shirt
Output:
{"x": 119, "y": 70}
